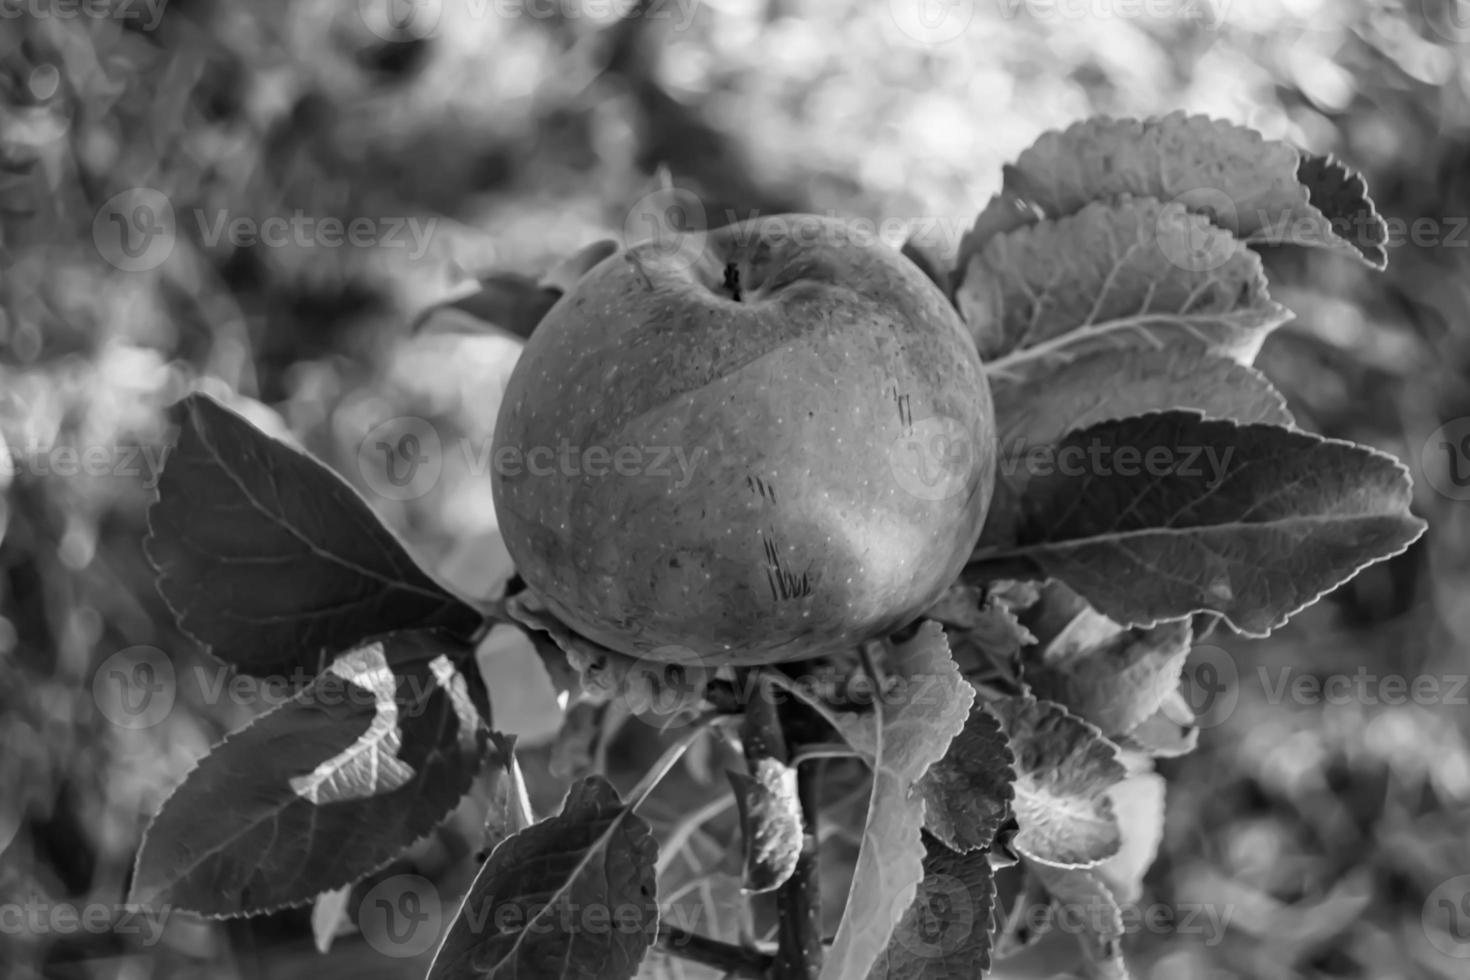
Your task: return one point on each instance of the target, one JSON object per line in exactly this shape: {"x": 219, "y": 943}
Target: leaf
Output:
{"x": 1134, "y": 274}
{"x": 1167, "y": 733}
{"x": 1086, "y": 904}
{"x": 1035, "y": 414}
{"x": 1138, "y": 802}
{"x": 329, "y": 918}
{"x": 770, "y": 823}
{"x": 509, "y": 812}
{"x": 910, "y": 730}
{"x": 270, "y": 561}
{"x": 1113, "y": 677}
{"x": 319, "y": 792}
{"x": 1064, "y": 768}
{"x": 1119, "y": 384}
{"x": 968, "y": 793}
{"x": 570, "y": 897}
{"x": 1030, "y": 918}
{"x": 1259, "y": 189}
{"x": 1341, "y": 194}
{"x": 981, "y": 625}
{"x": 1252, "y": 522}
{"x": 945, "y": 933}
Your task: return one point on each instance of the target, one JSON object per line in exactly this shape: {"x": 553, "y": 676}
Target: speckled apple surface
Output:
{"x": 779, "y": 447}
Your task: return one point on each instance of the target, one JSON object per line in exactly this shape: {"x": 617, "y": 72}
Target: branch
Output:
{"x": 729, "y": 959}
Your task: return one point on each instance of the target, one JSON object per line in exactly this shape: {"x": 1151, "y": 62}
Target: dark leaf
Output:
{"x": 945, "y": 933}
{"x": 1253, "y": 522}
{"x": 318, "y": 792}
{"x": 272, "y": 562}
{"x": 1064, "y": 769}
{"x": 570, "y": 898}
{"x": 968, "y": 792}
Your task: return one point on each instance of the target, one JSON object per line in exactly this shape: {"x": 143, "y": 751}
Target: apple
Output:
{"x": 765, "y": 443}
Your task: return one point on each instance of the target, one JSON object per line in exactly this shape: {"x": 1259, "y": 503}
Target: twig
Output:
{"x": 799, "y": 901}
{"x": 730, "y": 959}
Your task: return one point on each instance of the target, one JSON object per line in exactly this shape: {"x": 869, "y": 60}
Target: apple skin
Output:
{"x": 837, "y": 438}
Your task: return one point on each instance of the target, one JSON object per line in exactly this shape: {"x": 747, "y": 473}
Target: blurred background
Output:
{"x": 145, "y": 145}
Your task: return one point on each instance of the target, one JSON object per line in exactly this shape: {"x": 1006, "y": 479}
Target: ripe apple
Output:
{"x": 765, "y": 447}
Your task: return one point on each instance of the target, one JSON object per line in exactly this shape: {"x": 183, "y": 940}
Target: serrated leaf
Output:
{"x": 770, "y": 823}
{"x": 319, "y": 792}
{"x": 909, "y": 731}
{"x": 270, "y": 561}
{"x": 1030, "y": 918}
{"x": 570, "y": 898}
{"x": 1253, "y": 522}
{"x": 1064, "y": 769}
{"x": 980, "y": 622}
{"x": 1120, "y": 384}
{"x": 1032, "y": 415}
{"x": 1341, "y": 195}
{"x": 1259, "y": 189}
{"x": 1087, "y": 905}
{"x": 1131, "y": 274}
{"x": 1138, "y": 802}
{"x": 1116, "y": 679}
{"x": 1167, "y": 733}
{"x": 945, "y": 933}
{"x": 968, "y": 793}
